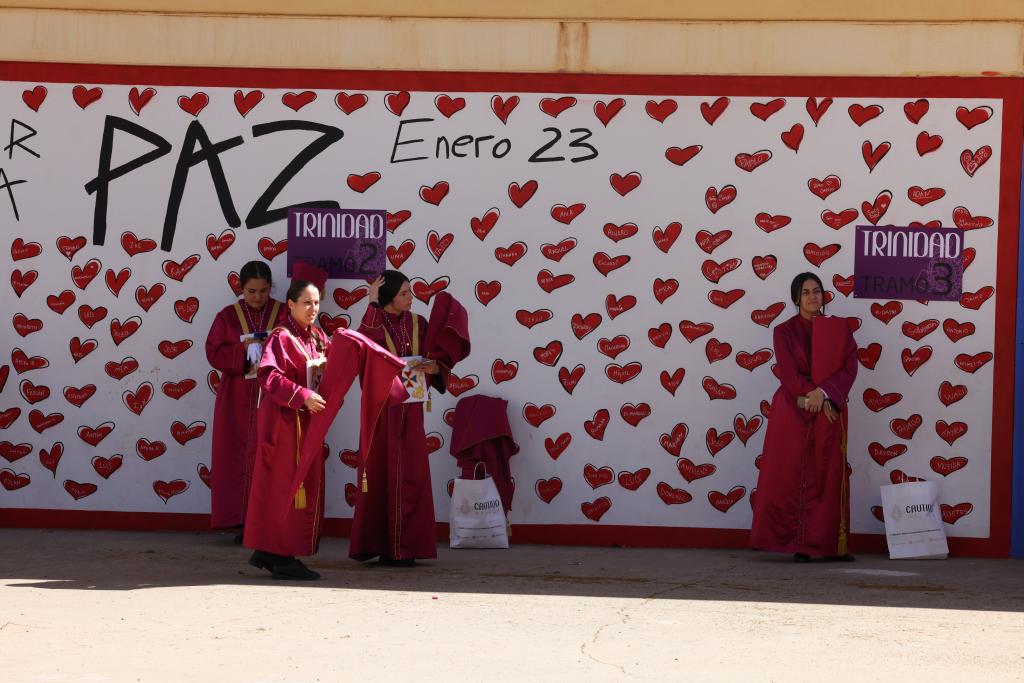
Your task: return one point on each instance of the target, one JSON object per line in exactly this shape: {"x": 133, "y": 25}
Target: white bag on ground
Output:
{"x": 913, "y": 521}
{"x": 477, "y": 518}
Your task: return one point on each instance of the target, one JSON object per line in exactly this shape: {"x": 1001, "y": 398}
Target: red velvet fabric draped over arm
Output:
{"x": 350, "y": 355}
{"x": 834, "y": 357}
{"x": 793, "y": 382}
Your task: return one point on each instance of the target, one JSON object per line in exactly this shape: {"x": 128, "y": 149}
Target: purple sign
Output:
{"x": 347, "y": 243}
{"x": 926, "y": 264}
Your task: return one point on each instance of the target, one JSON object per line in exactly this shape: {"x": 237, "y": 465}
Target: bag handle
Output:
{"x": 478, "y": 464}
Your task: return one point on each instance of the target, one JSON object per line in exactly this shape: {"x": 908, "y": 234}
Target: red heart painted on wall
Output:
{"x": 297, "y": 100}
{"x": 673, "y": 441}
{"x": 502, "y": 108}
{"x": 947, "y": 466}
{"x": 168, "y": 489}
{"x": 529, "y": 319}
{"x": 183, "y": 434}
{"x": 245, "y": 102}
{"x": 193, "y": 104}
{"x": 597, "y": 426}
{"x": 553, "y": 107}
{"x": 723, "y": 501}
{"x": 671, "y": 382}
{"x": 950, "y": 393}
{"x": 680, "y": 155}
{"x": 659, "y": 111}
{"x": 83, "y": 96}
{"x": 556, "y": 252}
{"x": 951, "y": 514}
{"x": 596, "y": 510}
{"x": 35, "y": 97}
{"x": 178, "y": 271}
{"x": 671, "y": 495}
{"x": 537, "y": 415}
{"x": 519, "y": 195}
{"x": 78, "y": 490}
{"x": 138, "y": 100}
{"x": 350, "y": 102}
{"x": 691, "y": 472}
{"x": 905, "y": 428}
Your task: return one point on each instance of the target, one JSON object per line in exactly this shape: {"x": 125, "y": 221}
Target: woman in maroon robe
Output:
{"x": 802, "y": 502}
{"x": 281, "y": 525}
{"x": 234, "y": 413}
{"x": 394, "y": 511}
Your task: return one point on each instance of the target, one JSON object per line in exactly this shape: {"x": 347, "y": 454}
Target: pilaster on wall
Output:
{"x": 649, "y": 37}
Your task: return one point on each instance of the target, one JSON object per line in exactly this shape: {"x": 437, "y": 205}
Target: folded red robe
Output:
{"x": 482, "y": 434}
{"x": 447, "y": 338}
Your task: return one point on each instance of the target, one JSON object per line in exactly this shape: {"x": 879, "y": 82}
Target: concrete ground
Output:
{"x": 91, "y": 607}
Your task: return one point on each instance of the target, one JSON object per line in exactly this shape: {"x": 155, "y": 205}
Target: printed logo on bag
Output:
{"x": 487, "y": 505}
{"x": 916, "y": 510}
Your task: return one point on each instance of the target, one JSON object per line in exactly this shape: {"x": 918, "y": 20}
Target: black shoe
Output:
{"x": 265, "y": 560}
{"x": 238, "y": 539}
{"x": 801, "y": 557}
{"x": 293, "y": 570}
{"x": 392, "y": 562}
{"x": 840, "y": 558}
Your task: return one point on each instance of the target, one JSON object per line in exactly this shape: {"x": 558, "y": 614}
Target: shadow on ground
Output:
{"x": 111, "y": 560}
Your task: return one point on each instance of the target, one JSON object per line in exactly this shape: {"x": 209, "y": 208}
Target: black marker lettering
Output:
{"x": 261, "y": 214}
{"x": 105, "y": 174}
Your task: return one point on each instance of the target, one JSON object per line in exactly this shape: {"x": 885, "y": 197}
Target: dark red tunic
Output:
{"x": 234, "y": 413}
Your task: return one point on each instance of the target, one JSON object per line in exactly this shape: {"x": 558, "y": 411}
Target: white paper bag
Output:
{"x": 913, "y": 521}
{"x": 477, "y": 518}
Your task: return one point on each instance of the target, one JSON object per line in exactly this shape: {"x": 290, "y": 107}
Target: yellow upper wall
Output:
{"x": 657, "y": 10}
{"x": 784, "y": 37}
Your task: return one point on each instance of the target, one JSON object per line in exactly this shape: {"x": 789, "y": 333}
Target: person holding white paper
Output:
{"x": 284, "y": 524}
{"x": 233, "y": 347}
{"x": 394, "y": 511}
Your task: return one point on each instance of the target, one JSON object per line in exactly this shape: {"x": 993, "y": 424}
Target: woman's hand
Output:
{"x": 429, "y": 366}
{"x": 831, "y": 414}
{"x": 815, "y": 400}
{"x": 375, "y": 289}
{"x": 315, "y": 403}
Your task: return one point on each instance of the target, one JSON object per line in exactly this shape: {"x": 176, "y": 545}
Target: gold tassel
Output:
{"x": 364, "y": 487}
{"x": 300, "y": 495}
{"x": 430, "y": 398}
{"x": 842, "y": 549}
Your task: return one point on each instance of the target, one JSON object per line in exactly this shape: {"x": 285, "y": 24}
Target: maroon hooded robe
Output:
{"x": 482, "y": 434}
{"x": 234, "y": 413}
{"x": 394, "y": 511}
{"x": 802, "y": 502}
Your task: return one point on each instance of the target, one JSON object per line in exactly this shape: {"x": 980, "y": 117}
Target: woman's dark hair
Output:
{"x": 255, "y": 270}
{"x": 798, "y": 283}
{"x": 297, "y": 287}
{"x": 393, "y": 281}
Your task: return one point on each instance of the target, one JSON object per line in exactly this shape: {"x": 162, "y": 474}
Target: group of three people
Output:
{"x": 802, "y": 497}
{"x": 265, "y": 408}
